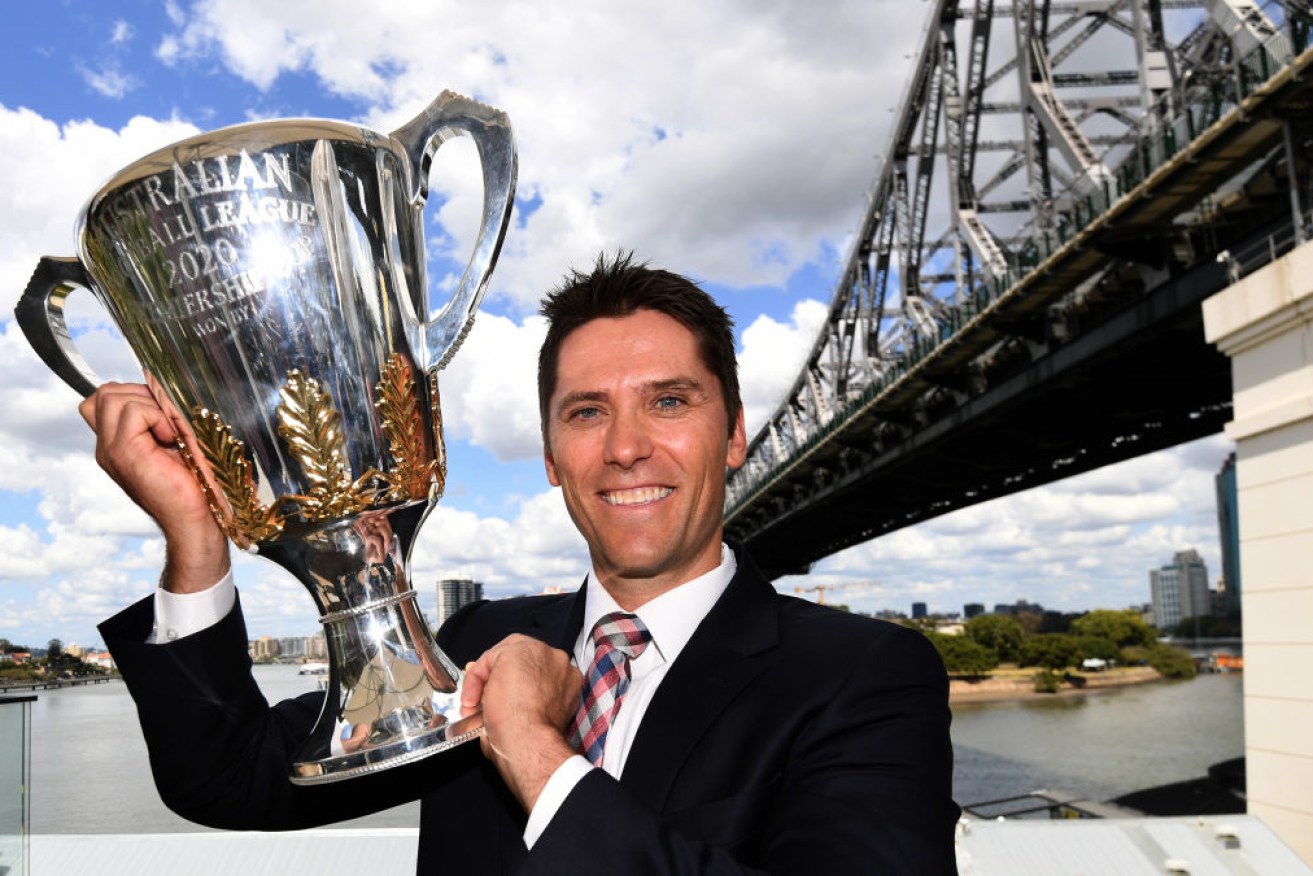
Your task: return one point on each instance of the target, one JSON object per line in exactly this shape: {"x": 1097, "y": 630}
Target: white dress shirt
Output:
{"x": 671, "y": 618}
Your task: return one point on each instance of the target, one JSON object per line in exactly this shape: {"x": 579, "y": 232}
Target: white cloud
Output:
{"x": 1089, "y": 540}
{"x": 772, "y": 355}
{"x": 50, "y": 171}
{"x": 109, "y": 81}
{"x": 489, "y": 390}
{"x": 730, "y": 158}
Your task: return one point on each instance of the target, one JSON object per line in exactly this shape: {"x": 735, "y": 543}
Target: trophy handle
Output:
{"x": 40, "y": 314}
{"x": 449, "y": 115}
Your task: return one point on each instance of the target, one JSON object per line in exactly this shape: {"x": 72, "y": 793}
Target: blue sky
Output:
{"x": 734, "y": 143}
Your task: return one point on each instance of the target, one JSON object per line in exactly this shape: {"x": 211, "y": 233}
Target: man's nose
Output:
{"x": 627, "y": 439}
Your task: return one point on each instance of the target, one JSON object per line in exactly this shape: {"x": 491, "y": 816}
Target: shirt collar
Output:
{"x": 671, "y": 618}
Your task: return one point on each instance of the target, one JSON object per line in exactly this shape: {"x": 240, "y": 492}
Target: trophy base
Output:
{"x": 371, "y": 760}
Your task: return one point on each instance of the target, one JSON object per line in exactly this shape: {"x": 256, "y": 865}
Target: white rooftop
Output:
{"x": 1200, "y": 846}
{"x": 1214, "y": 845}
{"x": 222, "y": 853}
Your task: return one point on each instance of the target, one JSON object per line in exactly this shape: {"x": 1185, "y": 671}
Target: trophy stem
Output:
{"x": 392, "y": 695}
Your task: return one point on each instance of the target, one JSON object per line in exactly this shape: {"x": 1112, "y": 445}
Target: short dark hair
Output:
{"x": 620, "y": 287}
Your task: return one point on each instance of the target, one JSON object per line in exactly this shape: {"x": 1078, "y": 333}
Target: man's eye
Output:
{"x": 669, "y": 403}
{"x": 585, "y": 414}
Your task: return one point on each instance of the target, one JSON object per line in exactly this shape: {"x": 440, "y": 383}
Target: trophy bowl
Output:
{"x": 271, "y": 280}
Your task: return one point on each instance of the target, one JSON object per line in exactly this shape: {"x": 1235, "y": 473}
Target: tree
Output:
{"x": 1030, "y": 621}
{"x": 1047, "y": 681}
{"x": 997, "y": 631}
{"x": 1097, "y": 647}
{"x": 920, "y": 624}
{"x": 1135, "y": 655}
{"x": 1172, "y": 662}
{"x": 5, "y": 647}
{"x": 1050, "y": 651}
{"x": 54, "y": 650}
{"x": 962, "y": 656}
{"x": 1122, "y": 628}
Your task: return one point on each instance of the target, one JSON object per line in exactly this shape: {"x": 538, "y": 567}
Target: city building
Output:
{"x": 1180, "y": 590}
{"x": 1228, "y": 526}
{"x": 264, "y": 648}
{"x": 456, "y": 593}
{"x": 316, "y": 647}
{"x": 972, "y": 609}
{"x": 918, "y": 610}
{"x": 99, "y": 658}
{"x": 292, "y": 648}
{"x": 1021, "y": 606}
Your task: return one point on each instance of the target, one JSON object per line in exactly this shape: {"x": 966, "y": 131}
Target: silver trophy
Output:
{"x": 270, "y": 279}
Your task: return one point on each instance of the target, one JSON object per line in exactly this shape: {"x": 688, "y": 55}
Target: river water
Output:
{"x": 90, "y": 772}
{"x": 1098, "y": 745}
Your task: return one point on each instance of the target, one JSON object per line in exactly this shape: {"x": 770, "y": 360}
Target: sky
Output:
{"x": 731, "y": 141}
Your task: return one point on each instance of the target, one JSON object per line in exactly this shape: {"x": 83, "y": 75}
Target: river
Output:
{"x": 90, "y": 772}
{"x": 1098, "y": 745}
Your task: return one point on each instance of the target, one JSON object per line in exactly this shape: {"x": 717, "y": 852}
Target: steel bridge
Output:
{"x": 1021, "y": 303}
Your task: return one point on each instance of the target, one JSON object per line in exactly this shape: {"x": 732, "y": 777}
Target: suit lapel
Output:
{"x": 558, "y": 622}
{"x": 728, "y": 650}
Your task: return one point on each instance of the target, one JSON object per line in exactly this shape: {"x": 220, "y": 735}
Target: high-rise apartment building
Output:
{"x": 1228, "y": 525}
{"x": 456, "y": 593}
{"x": 918, "y": 610}
{"x": 264, "y": 648}
{"x": 316, "y": 647}
{"x": 972, "y": 609}
{"x": 1180, "y": 590}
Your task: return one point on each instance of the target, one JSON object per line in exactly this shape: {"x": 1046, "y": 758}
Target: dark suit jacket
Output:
{"x": 786, "y": 738}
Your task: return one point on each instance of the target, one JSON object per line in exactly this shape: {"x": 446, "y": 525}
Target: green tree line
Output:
{"x": 56, "y": 663}
{"x": 1120, "y": 637}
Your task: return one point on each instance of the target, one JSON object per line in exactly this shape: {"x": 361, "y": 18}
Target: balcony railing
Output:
{"x": 15, "y": 781}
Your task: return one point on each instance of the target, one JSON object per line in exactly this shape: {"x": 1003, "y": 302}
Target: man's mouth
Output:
{"x": 639, "y": 496}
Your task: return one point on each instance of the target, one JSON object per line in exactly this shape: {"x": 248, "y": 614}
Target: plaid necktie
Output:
{"x": 618, "y": 637}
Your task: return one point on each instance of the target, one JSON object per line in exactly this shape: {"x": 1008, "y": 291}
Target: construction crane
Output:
{"x": 853, "y": 587}
{"x": 819, "y": 590}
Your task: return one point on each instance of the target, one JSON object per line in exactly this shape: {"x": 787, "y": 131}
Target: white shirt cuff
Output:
{"x": 181, "y": 614}
{"x": 558, "y": 787}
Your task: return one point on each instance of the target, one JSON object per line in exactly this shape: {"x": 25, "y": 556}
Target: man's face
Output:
{"x": 638, "y": 440}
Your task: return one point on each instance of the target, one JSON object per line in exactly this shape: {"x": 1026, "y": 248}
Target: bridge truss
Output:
{"x": 1059, "y": 174}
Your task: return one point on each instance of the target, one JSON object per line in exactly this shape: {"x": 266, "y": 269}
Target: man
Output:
{"x": 757, "y": 732}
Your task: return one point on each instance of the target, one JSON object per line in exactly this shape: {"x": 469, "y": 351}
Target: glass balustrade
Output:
{"x": 15, "y": 779}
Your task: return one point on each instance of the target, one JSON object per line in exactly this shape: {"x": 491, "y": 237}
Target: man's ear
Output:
{"x": 738, "y": 443}
{"x": 549, "y": 464}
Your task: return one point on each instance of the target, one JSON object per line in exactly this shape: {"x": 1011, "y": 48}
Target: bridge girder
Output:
{"x": 904, "y": 292}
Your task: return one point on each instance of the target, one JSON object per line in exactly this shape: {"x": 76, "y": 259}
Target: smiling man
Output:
{"x": 721, "y": 727}
{"x": 638, "y": 437}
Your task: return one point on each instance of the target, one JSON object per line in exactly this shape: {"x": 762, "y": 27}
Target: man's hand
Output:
{"x": 528, "y": 692}
{"x": 136, "y": 444}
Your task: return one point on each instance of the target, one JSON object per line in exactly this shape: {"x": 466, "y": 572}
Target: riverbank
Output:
{"x": 1010, "y": 684}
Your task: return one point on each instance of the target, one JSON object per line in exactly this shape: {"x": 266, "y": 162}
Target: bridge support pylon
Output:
{"x": 1264, "y": 323}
